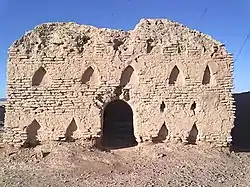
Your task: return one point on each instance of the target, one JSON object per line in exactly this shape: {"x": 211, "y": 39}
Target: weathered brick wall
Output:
{"x": 62, "y": 52}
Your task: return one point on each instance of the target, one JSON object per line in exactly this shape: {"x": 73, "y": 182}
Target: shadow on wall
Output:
{"x": 70, "y": 131}
{"x": 162, "y": 134}
{"x": 31, "y": 130}
{"x": 193, "y": 135}
{"x": 241, "y": 131}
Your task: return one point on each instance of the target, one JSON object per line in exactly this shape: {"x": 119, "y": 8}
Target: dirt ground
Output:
{"x": 77, "y": 164}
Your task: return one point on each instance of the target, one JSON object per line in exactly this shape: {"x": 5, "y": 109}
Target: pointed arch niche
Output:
{"x": 70, "y": 130}
{"x": 176, "y": 77}
{"x": 40, "y": 77}
{"x": 193, "y": 135}
{"x": 128, "y": 76}
{"x": 208, "y": 77}
{"x": 162, "y": 134}
{"x": 31, "y": 131}
{"x": 90, "y": 77}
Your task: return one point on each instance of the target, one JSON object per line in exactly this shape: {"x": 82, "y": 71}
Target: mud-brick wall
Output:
{"x": 62, "y": 75}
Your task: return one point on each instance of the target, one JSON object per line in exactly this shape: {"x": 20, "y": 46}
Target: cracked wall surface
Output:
{"x": 64, "y": 73}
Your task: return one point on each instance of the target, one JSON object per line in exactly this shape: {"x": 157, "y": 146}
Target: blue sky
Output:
{"x": 225, "y": 20}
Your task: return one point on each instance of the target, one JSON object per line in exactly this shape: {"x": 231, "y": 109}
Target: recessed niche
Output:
{"x": 176, "y": 77}
{"x": 38, "y": 76}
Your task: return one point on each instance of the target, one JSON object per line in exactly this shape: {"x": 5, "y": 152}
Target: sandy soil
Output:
{"x": 74, "y": 164}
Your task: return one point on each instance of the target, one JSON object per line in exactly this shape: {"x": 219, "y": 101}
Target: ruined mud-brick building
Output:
{"x": 159, "y": 82}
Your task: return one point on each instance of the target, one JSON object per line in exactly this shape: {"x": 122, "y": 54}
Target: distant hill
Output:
{"x": 2, "y": 102}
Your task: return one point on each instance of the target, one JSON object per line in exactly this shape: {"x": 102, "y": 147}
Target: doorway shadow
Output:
{"x": 241, "y": 130}
{"x": 118, "y": 130}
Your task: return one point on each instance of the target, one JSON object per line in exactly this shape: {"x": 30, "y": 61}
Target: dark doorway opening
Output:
{"x": 241, "y": 129}
{"x": 118, "y": 129}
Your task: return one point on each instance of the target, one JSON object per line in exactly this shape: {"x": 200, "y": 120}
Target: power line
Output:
{"x": 202, "y": 16}
{"x": 204, "y": 13}
{"x": 243, "y": 45}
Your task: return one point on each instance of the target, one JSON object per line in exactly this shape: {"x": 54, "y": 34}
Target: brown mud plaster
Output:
{"x": 63, "y": 71}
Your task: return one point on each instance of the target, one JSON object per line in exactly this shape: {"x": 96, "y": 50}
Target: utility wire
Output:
{"x": 202, "y": 16}
{"x": 203, "y": 13}
{"x": 243, "y": 45}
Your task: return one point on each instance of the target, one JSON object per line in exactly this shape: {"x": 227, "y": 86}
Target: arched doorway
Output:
{"x": 118, "y": 129}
